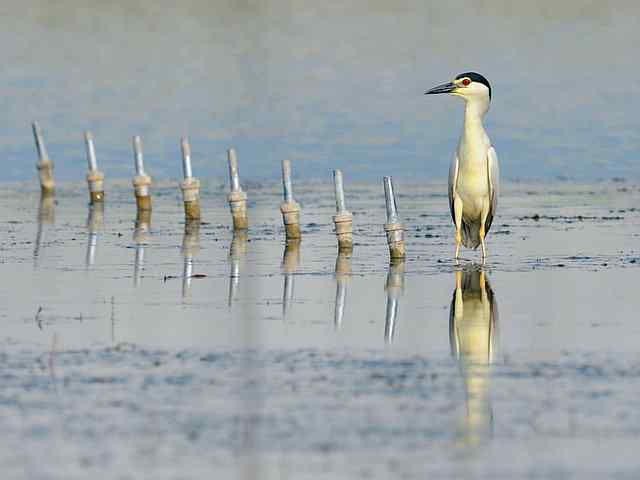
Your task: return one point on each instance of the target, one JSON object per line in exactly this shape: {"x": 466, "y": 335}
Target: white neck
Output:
{"x": 474, "y": 140}
{"x": 474, "y": 111}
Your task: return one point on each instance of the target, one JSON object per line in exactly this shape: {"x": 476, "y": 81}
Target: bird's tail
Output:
{"x": 470, "y": 234}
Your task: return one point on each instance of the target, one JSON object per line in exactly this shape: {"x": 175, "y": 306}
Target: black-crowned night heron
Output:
{"x": 474, "y": 173}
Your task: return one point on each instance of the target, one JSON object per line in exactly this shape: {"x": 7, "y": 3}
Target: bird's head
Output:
{"x": 469, "y": 85}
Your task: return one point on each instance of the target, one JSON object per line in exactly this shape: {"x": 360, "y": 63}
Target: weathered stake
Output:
{"x": 95, "y": 178}
{"x": 190, "y": 185}
{"x": 393, "y": 227}
{"x": 142, "y": 231}
{"x": 343, "y": 219}
{"x": 237, "y": 198}
{"x": 44, "y": 165}
{"x": 290, "y": 208}
{"x": 142, "y": 181}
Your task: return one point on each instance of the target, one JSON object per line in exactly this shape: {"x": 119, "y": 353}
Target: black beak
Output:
{"x": 444, "y": 88}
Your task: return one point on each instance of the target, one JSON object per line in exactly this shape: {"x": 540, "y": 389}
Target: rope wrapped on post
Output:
{"x": 237, "y": 198}
{"x": 393, "y": 228}
{"x": 95, "y": 178}
{"x": 190, "y": 185}
{"x": 142, "y": 181}
{"x": 44, "y": 165}
{"x": 343, "y": 219}
{"x": 290, "y": 208}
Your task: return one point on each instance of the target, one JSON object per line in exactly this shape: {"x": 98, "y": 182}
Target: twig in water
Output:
{"x": 38, "y": 319}
{"x": 173, "y": 277}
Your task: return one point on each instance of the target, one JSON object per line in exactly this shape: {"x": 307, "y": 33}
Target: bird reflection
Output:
{"x": 94, "y": 225}
{"x": 394, "y": 286}
{"x": 141, "y": 236}
{"x": 343, "y": 277}
{"x": 46, "y": 217}
{"x": 290, "y": 261}
{"x": 237, "y": 253}
{"x": 473, "y": 334}
{"x": 190, "y": 248}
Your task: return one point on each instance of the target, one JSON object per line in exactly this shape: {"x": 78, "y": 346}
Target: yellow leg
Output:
{"x": 484, "y": 247}
{"x": 457, "y": 210}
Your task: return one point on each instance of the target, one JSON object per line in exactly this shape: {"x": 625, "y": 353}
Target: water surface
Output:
{"x": 270, "y": 362}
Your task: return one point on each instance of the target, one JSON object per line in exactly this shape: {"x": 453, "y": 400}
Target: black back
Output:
{"x": 476, "y": 77}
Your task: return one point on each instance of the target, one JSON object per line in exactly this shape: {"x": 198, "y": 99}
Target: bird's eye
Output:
{"x": 466, "y": 82}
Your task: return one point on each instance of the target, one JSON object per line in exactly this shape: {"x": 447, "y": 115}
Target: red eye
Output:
{"x": 466, "y": 82}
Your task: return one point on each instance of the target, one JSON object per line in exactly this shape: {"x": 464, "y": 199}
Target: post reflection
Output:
{"x": 237, "y": 253}
{"x": 190, "y": 248}
{"x": 343, "y": 277}
{"x": 95, "y": 220}
{"x": 46, "y": 218}
{"x": 141, "y": 236}
{"x": 394, "y": 286}
{"x": 473, "y": 335}
{"x": 290, "y": 262}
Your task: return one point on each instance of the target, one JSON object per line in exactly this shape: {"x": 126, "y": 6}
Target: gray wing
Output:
{"x": 453, "y": 183}
{"x": 494, "y": 185}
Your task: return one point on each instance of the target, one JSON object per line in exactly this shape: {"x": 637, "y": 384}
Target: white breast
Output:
{"x": 473, "y": 175}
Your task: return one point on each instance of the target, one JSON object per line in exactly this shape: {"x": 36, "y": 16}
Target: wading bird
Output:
{"x": 474, "y": 173}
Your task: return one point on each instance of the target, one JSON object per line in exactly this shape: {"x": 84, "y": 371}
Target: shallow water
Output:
{"x": 136, "y": 351}
{"x": 268, "y": 363}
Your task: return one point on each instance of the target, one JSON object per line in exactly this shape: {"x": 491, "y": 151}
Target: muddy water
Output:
{"x": 269, "y": 363}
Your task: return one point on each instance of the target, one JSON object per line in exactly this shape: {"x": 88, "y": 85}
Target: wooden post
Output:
{"x": 95, "y": 178}
{"x": 190, "y": 185}
{"x": 343, "y": 219}
{"x": 290, "y": 208}
{"x": 44, "y": 165}
{"x": 141, "y": 182}
{"x": 237, "y": 198}
{"x": 393, "y": 227}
